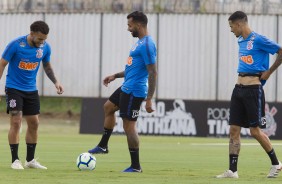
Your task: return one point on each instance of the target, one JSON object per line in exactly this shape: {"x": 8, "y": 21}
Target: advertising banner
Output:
{"x": 179, "y": 118}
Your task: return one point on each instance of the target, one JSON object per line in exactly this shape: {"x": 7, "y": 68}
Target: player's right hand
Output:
{"x": 108, "y": 79}
{"x": 148, "y": 106}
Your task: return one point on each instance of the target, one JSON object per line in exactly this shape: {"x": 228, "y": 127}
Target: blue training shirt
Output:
{"x": 24, "y": 62}
{"x": 254, "y": 53}
{"x": 143, "y": 53}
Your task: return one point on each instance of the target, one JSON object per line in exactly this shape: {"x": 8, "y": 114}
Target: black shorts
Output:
{"x": 247, "y": 106}
{"x": 128, "y": 104}
{"x": 27, "y": 102}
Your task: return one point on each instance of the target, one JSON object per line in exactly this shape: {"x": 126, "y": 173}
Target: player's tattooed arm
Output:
{"x": 119, "y": 75}
{"x": 265, "y": 75}
{"x": 234, "y": 146}
{"x": 277, "y": 62}
{"x": 49, "y": 72}
{"x": 152, "y": 80}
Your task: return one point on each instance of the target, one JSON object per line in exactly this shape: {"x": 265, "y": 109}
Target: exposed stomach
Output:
{"x": 248, "y": 80}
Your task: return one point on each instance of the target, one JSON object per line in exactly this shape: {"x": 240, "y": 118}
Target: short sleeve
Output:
{"x": 149, "y": 52}
{"x": 267, "y": 45}
{"x": 9, "y": 51}
{"x": 47, "y": 56}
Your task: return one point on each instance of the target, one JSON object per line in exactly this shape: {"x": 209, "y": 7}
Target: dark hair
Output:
{"x": 139, "y": 17}
{"x": 238, "y": 15}
{"x": 39, "y": 26}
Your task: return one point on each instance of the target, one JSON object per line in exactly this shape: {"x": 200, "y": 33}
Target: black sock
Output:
{"x": 105, "y": 138}
{"x": 30, "y": 151}
{"x": 134, "y": 155}
{"x": 233, "y": 160}
{"x": 273, "y": 158}
{"x": 14, "y": 151}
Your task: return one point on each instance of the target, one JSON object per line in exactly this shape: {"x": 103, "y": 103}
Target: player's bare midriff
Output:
{"x": 248, "y": 80}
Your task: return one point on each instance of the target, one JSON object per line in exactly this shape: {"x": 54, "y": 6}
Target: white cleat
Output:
{"x": 274, "y": 170}
{"x": 34, "y": 164}
{"x": 17, "y": 165}
{"x": 228, "y": 174}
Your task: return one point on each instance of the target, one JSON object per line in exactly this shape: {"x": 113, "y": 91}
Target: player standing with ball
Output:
{"x": 24, "y": 55}
{"x": 247, "y": 100}
{"x": 139, "y": 83}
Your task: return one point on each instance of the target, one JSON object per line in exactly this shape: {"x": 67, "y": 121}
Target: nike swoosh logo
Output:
{"x": 103, "y": 149}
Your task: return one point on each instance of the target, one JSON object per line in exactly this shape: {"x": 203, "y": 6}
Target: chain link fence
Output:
{"x": 149, "y": 6}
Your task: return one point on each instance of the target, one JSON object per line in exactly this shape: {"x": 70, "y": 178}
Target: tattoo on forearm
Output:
{"x": 151, "y": 80}
{"x": 234, "y": 147}
{"x": 119, "y": 75}
{"x": 49, "y": 72}
{"x": 277, "y": 62}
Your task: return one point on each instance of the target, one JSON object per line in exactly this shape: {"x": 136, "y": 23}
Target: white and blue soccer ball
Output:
{"x": 86, "y": 161}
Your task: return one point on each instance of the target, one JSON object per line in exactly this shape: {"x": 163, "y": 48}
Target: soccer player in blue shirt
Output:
{"x": 247, "y": 101}
{"x": 23, "y": 57}
{"x": 139, "y": 84}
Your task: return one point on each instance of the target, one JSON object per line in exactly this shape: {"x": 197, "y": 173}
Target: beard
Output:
{"x": 134, "y": 33}
{"x": 35, "y": 44}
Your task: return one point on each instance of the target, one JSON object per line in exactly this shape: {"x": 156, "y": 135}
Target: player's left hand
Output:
{"x": 265, "y": 75}
{"x": 148, "y": 106}
{"x": 60, "y": 88}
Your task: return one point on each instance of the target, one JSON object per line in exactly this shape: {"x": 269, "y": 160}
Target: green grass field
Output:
{"x": 164, "y": 159}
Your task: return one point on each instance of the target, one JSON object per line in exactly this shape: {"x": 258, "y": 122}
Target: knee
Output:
{"x": 16, "y": 120}
{"x": 33, "y": 125}
{"x": 234, "y": 133}
{"x": 255, "y": 132}
{"x": 108, "y": 109}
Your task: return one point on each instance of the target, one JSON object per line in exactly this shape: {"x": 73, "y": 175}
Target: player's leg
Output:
{"x": 237, "y": 116}
{"x": 110, "y": 107}
{"x": 255, "y": 117}
{"x": 133, "y": 145}
{"x": 31, "y": 136}
{"x": 31, "y": 113}
{"x": 234, "y": 147}
{"x": 14, "y": 108}
{"x": 129, "y": 111}
{"x": 264, "y": 141}
{"x": 13, "y": 137}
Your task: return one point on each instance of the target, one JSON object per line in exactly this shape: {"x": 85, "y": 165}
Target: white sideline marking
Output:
{"x": 227, "y": 144}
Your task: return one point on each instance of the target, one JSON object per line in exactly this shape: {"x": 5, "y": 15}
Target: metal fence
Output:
{"x": 151, "y": 6}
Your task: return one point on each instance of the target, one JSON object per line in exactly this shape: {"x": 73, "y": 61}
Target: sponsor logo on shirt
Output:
{"x": 39, "y": 53}
{"x": 129, "y": 61}
{"x": 247, "y": 59}
{"x": 28, "y": 65}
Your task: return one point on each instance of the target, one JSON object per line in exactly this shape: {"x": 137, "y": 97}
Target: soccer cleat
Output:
{"x": 17, "y": 165}
{"x": 130, "y": 169}
{"x": 98, "y": 150}
{"x": 34, "y": 164}
{"x": 228, "y": 174}
{"x": 274, "y": 170}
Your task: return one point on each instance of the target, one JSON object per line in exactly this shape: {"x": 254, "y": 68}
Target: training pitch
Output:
{"x": 164, "y": 159}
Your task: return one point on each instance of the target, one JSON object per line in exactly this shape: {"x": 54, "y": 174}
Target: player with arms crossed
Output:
{"x": 24, "y": 55}
{"x": 247, "y": 101}
{"x": 139, "y": 70}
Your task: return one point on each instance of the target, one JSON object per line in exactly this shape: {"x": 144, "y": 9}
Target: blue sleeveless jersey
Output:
{"x": 254, "y": 53}
{"x": 24, "y": 62}
{"x": 136, "y": 75}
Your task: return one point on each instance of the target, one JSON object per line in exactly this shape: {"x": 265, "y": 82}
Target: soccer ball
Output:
{"x": 86, "y": 161}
